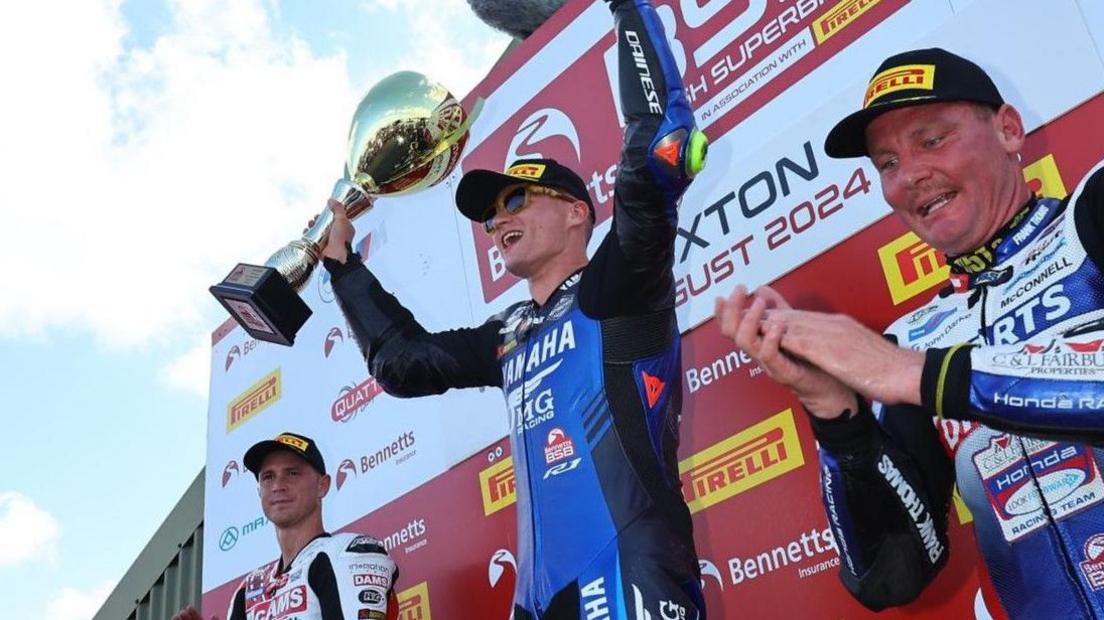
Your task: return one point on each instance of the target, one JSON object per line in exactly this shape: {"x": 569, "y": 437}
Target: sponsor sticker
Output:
{"x": 381, "y": 581}
{"x": 1093, "y": 565}
{"x": 255, "y": 399}
{"x": 1013, "y": 477}
{"x": 911, "y": 267}
{"x": 498, "y": 485}
{"x": 559, "y": 447}
{"x": 751, "y": 457}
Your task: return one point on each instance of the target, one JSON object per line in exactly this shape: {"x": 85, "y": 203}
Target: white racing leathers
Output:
{"x": 1014, "y": 377}
{"x": 335, "y": 577}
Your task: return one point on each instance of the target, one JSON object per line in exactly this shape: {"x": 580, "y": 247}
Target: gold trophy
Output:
{"x": 407, "y": 134}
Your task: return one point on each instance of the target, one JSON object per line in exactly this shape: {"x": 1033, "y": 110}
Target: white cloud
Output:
{"x": 191, "y": 371}
{"x": 448, "y": 42}
{"x": 136, "y": 178}
{"x": 27, "y": 532}
{"x": 74, "y": 604}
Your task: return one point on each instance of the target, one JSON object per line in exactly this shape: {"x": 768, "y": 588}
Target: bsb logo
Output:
{"x": 498, "y": 485}
{"x": 911, "y": 267}
{"x": 414, "y": 603}
{"x": 751, "y": 457}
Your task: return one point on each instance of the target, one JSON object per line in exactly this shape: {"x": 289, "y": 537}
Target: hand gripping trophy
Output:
{"x": 407, "y": 135}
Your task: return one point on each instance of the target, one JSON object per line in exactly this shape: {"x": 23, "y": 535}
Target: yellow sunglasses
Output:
{"x": 514, "y": 198}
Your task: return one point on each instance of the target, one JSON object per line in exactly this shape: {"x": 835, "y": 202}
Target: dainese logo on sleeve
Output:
{"x": 414, "y": 603}
{"x": 751, "y": 457}
{"x": 498, "y": 485}
{"x": 911, "y": 267}
{"x": 258, "y": 397}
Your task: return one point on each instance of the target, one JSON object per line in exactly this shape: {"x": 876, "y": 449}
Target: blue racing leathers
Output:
{"x": 591, "y": 377}
{"x": 1014, "y": 380}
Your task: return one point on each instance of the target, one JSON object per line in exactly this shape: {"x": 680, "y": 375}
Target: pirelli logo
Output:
{"x": 744, "y": 461}
{"x": 905, "y": 77}
{"x": 838, "y": 17}
{"x": 527, "y": 171}
{"x": 911, "y": 267}
{"x": 254, "y": 400}
{"x": 294, "y": 442}
{"x": 1043, "y": 177}
{"x": 414, "y": 603}
{"x": 498, "y": 485}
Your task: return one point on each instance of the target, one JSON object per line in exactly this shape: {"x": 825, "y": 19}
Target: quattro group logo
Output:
{"x": 414, "y": 603}
{"x": 498, "y": 485}
{"x": 352, "y": 400}
{"x": 751, "y": 457}
{"x": 255, "y": 399}
{"x": 911, "y": 267}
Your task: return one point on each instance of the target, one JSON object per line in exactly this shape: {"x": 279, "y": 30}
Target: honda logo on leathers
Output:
{"x": 541, "y": 125}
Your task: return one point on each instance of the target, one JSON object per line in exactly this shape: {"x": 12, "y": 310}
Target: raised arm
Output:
{"x": 403, "y": 357}
{"x": 660, "y": 153}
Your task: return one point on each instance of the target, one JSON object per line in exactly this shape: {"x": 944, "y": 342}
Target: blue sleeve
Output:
{"x": 631, "y": 270}
{"x": 1052, "y": 388}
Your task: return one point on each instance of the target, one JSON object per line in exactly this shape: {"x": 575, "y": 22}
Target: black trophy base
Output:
{"x": 263, "y": 303}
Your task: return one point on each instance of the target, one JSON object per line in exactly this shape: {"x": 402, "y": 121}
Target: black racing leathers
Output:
{"x": 1014, "y": 377}
{"x": 592, "y": 377}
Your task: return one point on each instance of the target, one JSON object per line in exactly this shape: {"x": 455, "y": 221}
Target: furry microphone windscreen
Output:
{"x": 517, "y": 18}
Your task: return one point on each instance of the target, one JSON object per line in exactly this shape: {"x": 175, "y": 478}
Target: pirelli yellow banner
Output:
{"x": 751, "y": 457}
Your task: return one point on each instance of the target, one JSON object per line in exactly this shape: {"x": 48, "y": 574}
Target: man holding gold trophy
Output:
{"x": 590, "y": 366}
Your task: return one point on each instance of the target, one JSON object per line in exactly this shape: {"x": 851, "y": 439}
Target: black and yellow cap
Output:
{"x": 303, "y": 447}
{"x": 916, "y": 77}
{"x": 479, "y": 188}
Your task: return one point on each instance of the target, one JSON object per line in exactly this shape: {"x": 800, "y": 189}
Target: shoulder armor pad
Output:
{"x": 366, "y": 544}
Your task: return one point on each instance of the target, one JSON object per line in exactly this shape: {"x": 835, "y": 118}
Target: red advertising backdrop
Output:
{"x": 748, "y": 459}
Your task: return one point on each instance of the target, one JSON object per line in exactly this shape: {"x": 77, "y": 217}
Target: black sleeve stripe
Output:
{"x": 237, "y": 609}
{"x": 323, "y": 582}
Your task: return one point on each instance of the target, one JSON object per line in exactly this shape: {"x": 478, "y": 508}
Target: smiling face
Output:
{"x": 540, "y": 233}
{"x": 950, "y": 170}
{"x": 291, "y": 490}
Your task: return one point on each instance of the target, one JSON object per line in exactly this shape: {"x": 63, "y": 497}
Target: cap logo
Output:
{"x": 294, "y": 442}
{"x": 527, "y": 171}
{"x": 904, "y": 77}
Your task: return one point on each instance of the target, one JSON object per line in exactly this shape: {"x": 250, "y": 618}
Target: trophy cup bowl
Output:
{"x": 407, "y": 134}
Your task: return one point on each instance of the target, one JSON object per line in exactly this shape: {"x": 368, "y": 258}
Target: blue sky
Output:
{"x": 147, "y": 147}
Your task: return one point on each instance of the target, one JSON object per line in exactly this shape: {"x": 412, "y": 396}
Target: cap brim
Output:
{"x": 255, "y": 456}
{"x": 848, "y": 137}
{"x": 478, "y": 189}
